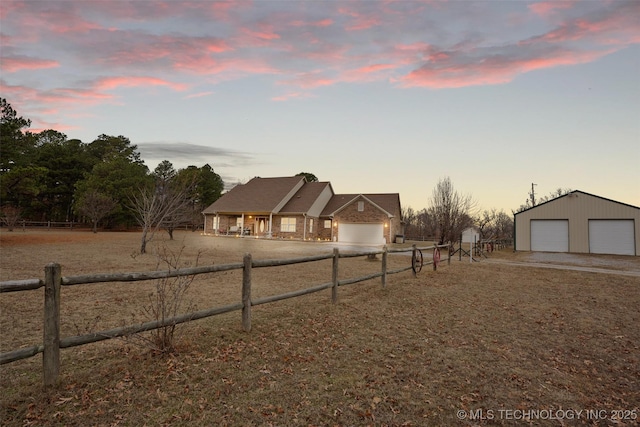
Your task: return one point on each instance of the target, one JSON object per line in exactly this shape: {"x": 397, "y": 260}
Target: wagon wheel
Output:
{"x": 436, "y": 257}
{"x": 417, "y": 261}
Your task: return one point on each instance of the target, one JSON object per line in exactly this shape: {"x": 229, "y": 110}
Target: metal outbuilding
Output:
{"x": 579, "y": 222}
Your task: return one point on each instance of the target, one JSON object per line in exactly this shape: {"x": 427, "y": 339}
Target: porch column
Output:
{"x": 304, "y": 229}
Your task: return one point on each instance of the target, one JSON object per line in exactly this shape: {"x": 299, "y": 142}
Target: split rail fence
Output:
{"x": 53, "y": 281}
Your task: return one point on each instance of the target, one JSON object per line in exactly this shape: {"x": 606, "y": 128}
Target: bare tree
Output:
{"x": 485, "y": 222}
{"x": 96, "y": 206}
{"x": 10, "y": 216}
{"x": 503, "y": 226}
{"x": 182, "y": 216}
{"x": 168, "y": 300}
{"x": 154, "y": 206}
{"x": 450, "y": 210}
{"x": 495, "y": 224}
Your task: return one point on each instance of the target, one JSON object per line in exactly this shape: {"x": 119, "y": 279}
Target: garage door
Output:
{"x": 608, "y": 236}
{"x": 371, "y": 234}
{"x": 550, "y": 235}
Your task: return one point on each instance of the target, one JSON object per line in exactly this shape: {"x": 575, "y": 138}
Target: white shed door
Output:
{"x": 371, "y": 234}
{"x": 611, "y": 236}
{"x": 550, "y": 235}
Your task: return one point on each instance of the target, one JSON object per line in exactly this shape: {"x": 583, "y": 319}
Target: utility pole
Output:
{"x": 533, "y": 195}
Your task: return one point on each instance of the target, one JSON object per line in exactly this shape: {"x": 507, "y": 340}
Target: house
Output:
{"x": 292, "y": 208}
{"x": 579, "y": 222}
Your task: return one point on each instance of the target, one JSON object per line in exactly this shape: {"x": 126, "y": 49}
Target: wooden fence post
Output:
{"x": 449, "y": 254}
{"x": 246, "y": 293}
{"x": 51, "y": 338}
{"x": 435, "y": 250}
{"x": 384, "y": 267}
{"x": 334, "y": 276}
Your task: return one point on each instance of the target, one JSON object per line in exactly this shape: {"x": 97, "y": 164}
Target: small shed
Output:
{"x": 470, "y": 235}
{"x": 579, "y": 222}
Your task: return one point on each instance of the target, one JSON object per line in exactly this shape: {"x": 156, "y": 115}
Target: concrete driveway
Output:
{"x": 605, "y": 264}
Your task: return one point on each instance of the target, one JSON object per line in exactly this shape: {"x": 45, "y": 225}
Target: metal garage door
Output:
{"x": 550, "y": 235}
{"x": 610, "y": 236}
{"x": 371, "y": 234}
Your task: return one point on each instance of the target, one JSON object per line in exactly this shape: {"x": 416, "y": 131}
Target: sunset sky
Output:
{"x": 373, "y": 96}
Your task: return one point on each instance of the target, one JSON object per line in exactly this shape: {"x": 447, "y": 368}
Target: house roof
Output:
{"x": 304, "y": 198}
{"x": 257, "y": 195}
{"x": 389, "y": 202}
{"x": 573, "y": 193}
{"x": 293, "y": 195}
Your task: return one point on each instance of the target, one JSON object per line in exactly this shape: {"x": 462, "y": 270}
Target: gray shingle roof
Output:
{"x": 304, "y": 198}
{"x": 257, "y": 195}
{"x": 266, "y": 195}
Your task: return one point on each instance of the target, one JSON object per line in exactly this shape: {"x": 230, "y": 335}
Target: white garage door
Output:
{"x": 609, "y": 236}
{"x": 371, "y": 234}
{"x": 550, "y": 235}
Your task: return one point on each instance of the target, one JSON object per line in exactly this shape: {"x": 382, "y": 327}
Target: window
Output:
{"x": 360, "y": 206}
{"x": 239, "y": 222}
{"x": 216, "y": 223}
{"x": 327, "y": 223}
{"x": 287, "y": 225}
{"x": 311, "y": 225}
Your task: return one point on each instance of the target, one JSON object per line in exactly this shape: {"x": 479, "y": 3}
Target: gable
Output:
{"x": 389, "y": 204}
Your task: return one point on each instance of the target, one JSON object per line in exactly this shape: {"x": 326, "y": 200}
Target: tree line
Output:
{"x": 46, "y": 176}
{"x": 449, "y": 213}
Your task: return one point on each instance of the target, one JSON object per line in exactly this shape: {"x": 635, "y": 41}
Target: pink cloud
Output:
{"x": 318, "y": 24}
{"x": 50, "y": 102}
{"x": 263, "y": 35}
{"x": 59, "y": 20}
{"x": 618, "y": 25}
{"x": 198, "y": 95}
{"x": 368, "y": 73}
{"x": 259, "y": 35}
{"x": 490, "y": 70}
{"x": 42, "y": 126}
{"x": 289, "y": 96}
{"x": 546, "y": 8}
{"x": 109, "y": 83}
{"x": 127, "y": 49}
{"x": 309, "y": 80}
{"x": 375, "y": 68}
{"x": 17, "y": 63}
{"x": 225, "y": 68}
{"x": 359, "y": 21}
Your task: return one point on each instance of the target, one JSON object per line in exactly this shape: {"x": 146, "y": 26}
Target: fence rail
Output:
{"x": 53, "y": 281}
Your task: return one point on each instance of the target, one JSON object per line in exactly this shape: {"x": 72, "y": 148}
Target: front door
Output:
{"x": 262, "y": 226}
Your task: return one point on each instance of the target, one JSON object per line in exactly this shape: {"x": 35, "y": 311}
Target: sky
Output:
{"x": 372, "y": 96}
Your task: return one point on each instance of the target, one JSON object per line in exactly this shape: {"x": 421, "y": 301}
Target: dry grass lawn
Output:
{"x": 483, "y": 337}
